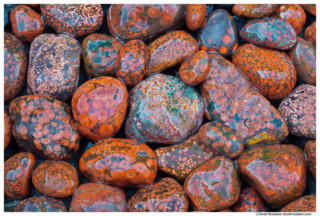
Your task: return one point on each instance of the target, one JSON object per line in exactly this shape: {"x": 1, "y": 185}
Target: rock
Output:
{"x": 7, "y": 129}
{"x": 303, "y": 204}
{"x": 194, "y": 69}
{"x": 167, "y": 195}
{"x": 9, "y": 207}
{"x": 169, "y": 50}
{"x": 310, "y": 8}
{"x": 99, "y": 54}
{"x": 299, "y": 111}
{"x": 195, "y": 15}
{"x": 221, "y": 139}
{"x": 232, "y": 99}
{"x": 55, "y": 178}
{"x": 17, "y": 174}
{"x": 163, "y": 110}
{"x": 99, "y": 107}
{"x": 250, "y": 201}
{"x": 293, "y": 14}
{"x": 214, "y": 185}
{"x": 270, "y": 71}
{"x": 310, "y": 33}
{"x": 277, "y": 172}
{"x": 74, "y": 19}
{"x": 132, "y": 62}
{"x": 179, "y": 160}
{"x": 254, "y": 10}
{"x": 15, "y": 66}
{"x": 218, "y": 33}
{"x": 41, "y": 204}
{"x": 26, "y": 23}
{"x": 310, "y": 150}
{"x": 119, "y": 162}
{"x": 303, "y": 56}
{"x": 54, "y": 66}
{"x": 44, "y": 126}
{"x": 269, "y": 32}
{"x": 143, "y": 22}
{"x": 95, "y": 197}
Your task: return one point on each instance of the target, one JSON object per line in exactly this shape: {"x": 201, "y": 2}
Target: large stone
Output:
{"x": 41, "y": 204}
{"x": 254, "y": 10}
{"x": 304, "y": 204}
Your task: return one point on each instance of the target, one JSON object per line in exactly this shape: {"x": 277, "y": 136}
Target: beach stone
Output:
{"x": 214, "y": 185}
{"x": 99, "y": 107}
{"x": 270, "y": 71}
{"x": 167, "y": 195}
{"x": 95, "y": 197}
{"x": 44, "y": 126}
{"x": 163, "y": 110}
{"x": 304, "y": 204}
{"x": 17, "y": 174}
{"x": 310, "y": 8}
{"x": 232, "y": 99}
{"x": 299, "y": 111}
{"x": 254, "y": 10}
{"x": 303, "y": 56}
{"x": 277, "y": 172}
{"x": 119, "y": 162}
{"x": 7, "y": 129}
{"x": 99, "y": 54}
{"x": 132, "y": 62}
{"x": 169, "y": 50}
{"x": 218, "y": 33}
{"x": 41, "y": 204}
{"x": 179, "y": 160}
{"x": 54, "y": 66}
{"x": 269, "y": 32}
{"x": 77, "y": 20}
{"x": 26, "y": 23}
{"x": 310, "y": 34}
{"x": 310, "y": 150}
{"x": 195, "y": 15}
{"x": 15, "y": 66}
{"x": 143, "y": 22}
{"x": 250, "y": 201}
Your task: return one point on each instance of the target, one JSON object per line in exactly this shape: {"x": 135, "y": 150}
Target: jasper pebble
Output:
{"x": 7, "y": 129}
{"x": 310, "y": 8}
{"x": 310, "y": 34}
{"x": 195, "y": 15}
{"x": 249, "y": 201}
{"x": 306, "y": 203}
{"x": 41, "y": 204}
{"x": 254, "y": 10}
{"x": 310, "y": 150}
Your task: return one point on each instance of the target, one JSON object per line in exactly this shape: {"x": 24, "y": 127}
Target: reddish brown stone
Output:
{"x": 214, "y": 185}
{"x": 310, "y": 8}
{"x": 250, "y": 201}
{"x": 119, "y": 162}
{"x": 17, "y": 174}
{"x": 299, "y": 111}
{"x": 195, "y": 15}
{"x": 167, "y": 195}
{"x": 310, "y": 149}
{"x": 7, "y": 129}
{"x": 254, "y": 10}
{"x": 304, "y": 204}
{"x": 95, "y": 197}
{"x": 99, "y": 107}
{"x": 15, "y": 66}
{"x": 44, "y": 126}
{"x": 277, "y": 172}
{"x": 310, "y": 34}
{"x": 41, "y": 204}
{"x": 26, "y": 23}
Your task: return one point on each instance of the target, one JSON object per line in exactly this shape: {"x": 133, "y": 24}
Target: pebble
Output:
{"x": 310, "y": 34}
{"x": 254, "y": 10}
{"x": 310, "y": 8}
{"x": 195, "y": 15}
{"x": 306, "y": 203}
{"x": 7, "y": 128}
{"x": 41, "y": 204}
{"x": 310, "y": 150}
{"x": 250, "y": 201}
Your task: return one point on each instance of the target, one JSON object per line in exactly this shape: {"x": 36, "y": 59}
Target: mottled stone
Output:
{"x": 310, "y": 8}
{"x": 99, "y": 54}
{"x": 310, "y": 33}
{"x": 310, "y": 150}
{"x": 44, "y": 126}
{"x": 277, "y": 172}
{"x": 254, "y": 10}
{"x": 164, "y": 110}
{"x": 195, "y": 15}
{"x": 41, "y": 204}
{"x": 17, "y": 175}
{"x": 54, "y": 66}
{"x": 95, "y": 197}
{"x": 218, "y": 33}
{"x": 144, "y": 22}
{"x": 169, "y": 50}
{"x": 270, "y": 71}
{"x": 233, "y": 100}
{"x": 99, "y": 107}
{"x": 7, "y": 129}
{"x": 299, "y": 111}
{"x": 167, "y": 195}
{"x": 304, "y": 204}
{"x": 303, "y": 56}
{"x": 249, "y": 201}
{"x": 74, "y": 19}
{"x": 269, "y": 32}
{"x": 214, "y": 185}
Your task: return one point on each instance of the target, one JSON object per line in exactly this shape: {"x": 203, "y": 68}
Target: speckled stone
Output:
{"x": 254, "y": 10}
{"x": 310, "y": 34}
{"x": 299, "y": 111}
{"x": 214, "y": 185}
{"x": 233, "y": 100}
{"x": 164, "y": 110}
{"x": 277, "y": 172}
{"x": 195, "y": 15}
{"x": 310, "y": 8}
{"x": 167, "y": 195}
{"x": 7, "y": 129}
{"x": 310, "y": 149}
{"x": 95, "y": 197}
{"x": 54, "y": 66}
{"x": 249, "y": 201}
{"x": 41, "y": 204}
{"x": 306, "y": 203}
